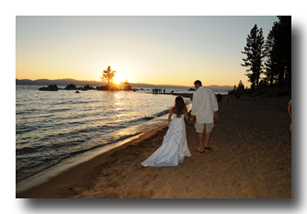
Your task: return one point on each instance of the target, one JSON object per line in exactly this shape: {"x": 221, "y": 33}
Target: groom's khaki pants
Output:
{"x": 201, "y": 126}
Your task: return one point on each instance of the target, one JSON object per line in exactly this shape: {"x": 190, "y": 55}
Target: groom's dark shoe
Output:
{"x": 197, "y": 150}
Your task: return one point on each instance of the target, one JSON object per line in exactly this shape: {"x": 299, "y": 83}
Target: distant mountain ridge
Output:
{"x": 64, "y": 82}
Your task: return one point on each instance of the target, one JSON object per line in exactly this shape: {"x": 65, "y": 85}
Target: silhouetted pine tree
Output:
{"x": 127, "y": 87}
{"x": 240, "y": 86}
{"x": 255, "y": 53}
{"x": 108, "y": 75}
{"x": 271, "y": 59}
{"x": 278, "y": 47}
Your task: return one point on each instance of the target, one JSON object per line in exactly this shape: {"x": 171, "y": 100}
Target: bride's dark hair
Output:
{"x": 179, "y": 106}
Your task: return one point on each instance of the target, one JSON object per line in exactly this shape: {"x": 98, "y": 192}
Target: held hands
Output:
{"x": 192, "y": 120}
{"x": 216, "y": 116}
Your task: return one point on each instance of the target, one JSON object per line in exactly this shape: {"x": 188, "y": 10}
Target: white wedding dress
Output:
{"x": 174, "y": 147}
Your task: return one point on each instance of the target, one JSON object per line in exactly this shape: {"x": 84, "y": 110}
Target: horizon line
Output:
{"x": 122, "y": 82}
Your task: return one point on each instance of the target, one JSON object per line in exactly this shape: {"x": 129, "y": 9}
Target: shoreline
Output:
{"x": 86, "y": 163}
{"x": 251, "y": 158}
{"x": 63, "y": 178}
{"x": 47, "y": 174}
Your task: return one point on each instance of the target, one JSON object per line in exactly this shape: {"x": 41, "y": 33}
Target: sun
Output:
{"x": 118, "y": 78}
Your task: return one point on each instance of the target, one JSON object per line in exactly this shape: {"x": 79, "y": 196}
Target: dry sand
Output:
{"x": 251, "y": 158}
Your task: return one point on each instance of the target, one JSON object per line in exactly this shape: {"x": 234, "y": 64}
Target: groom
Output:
{"x": 205, "y": 108}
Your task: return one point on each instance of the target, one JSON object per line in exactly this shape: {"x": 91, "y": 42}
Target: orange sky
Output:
{"x": 173, "y": 50}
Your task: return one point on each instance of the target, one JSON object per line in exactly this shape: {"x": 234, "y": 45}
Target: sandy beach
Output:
{"x": 251, "y": 158}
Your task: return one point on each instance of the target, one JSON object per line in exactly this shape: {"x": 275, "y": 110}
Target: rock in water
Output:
{"x": 49, "y": 88}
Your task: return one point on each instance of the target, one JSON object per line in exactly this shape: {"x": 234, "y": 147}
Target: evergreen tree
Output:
{"x": 127, "y": 87}
{"x": 285, "y": 28}
{"x": 240, "y": 86}
{"x": 271, "y": 59}
{"x": 108, "y": 75}
{"x": 254, "y": 51}
{"x": 278, "y": 48}
{"x": 282, "y": 36}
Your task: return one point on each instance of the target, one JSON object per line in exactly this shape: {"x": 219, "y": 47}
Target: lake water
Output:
{"x": 54, "y": 126}
{"x": 61, "y": 128}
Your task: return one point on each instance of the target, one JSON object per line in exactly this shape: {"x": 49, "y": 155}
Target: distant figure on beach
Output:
{"x": 219, "y": 98}
{"x": 289, "y": 112}
{"x": 205, "y": 108}
{"x": 227, "y": 98}
{"x": 174, "y": 146}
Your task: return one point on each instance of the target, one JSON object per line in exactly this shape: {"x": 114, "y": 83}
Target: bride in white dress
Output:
{"x": 174, "y": 147}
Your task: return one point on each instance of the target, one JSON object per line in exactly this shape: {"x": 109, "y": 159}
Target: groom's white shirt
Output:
{"x": 204, "y": 105}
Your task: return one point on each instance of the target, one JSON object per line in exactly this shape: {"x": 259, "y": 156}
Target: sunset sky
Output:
{"x": 172, "y": 50}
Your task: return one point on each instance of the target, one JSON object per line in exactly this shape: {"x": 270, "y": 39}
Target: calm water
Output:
{"x": 55, "y": 126}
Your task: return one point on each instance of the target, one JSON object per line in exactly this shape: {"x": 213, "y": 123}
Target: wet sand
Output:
{"x": 251, "y": 158}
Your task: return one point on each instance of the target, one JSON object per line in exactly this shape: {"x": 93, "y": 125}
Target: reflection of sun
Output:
{"x": 118, "y": 78}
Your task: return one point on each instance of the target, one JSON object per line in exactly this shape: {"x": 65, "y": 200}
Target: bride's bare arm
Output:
{"x": 170, "y": 116}
{"x": 186, "y": 114}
